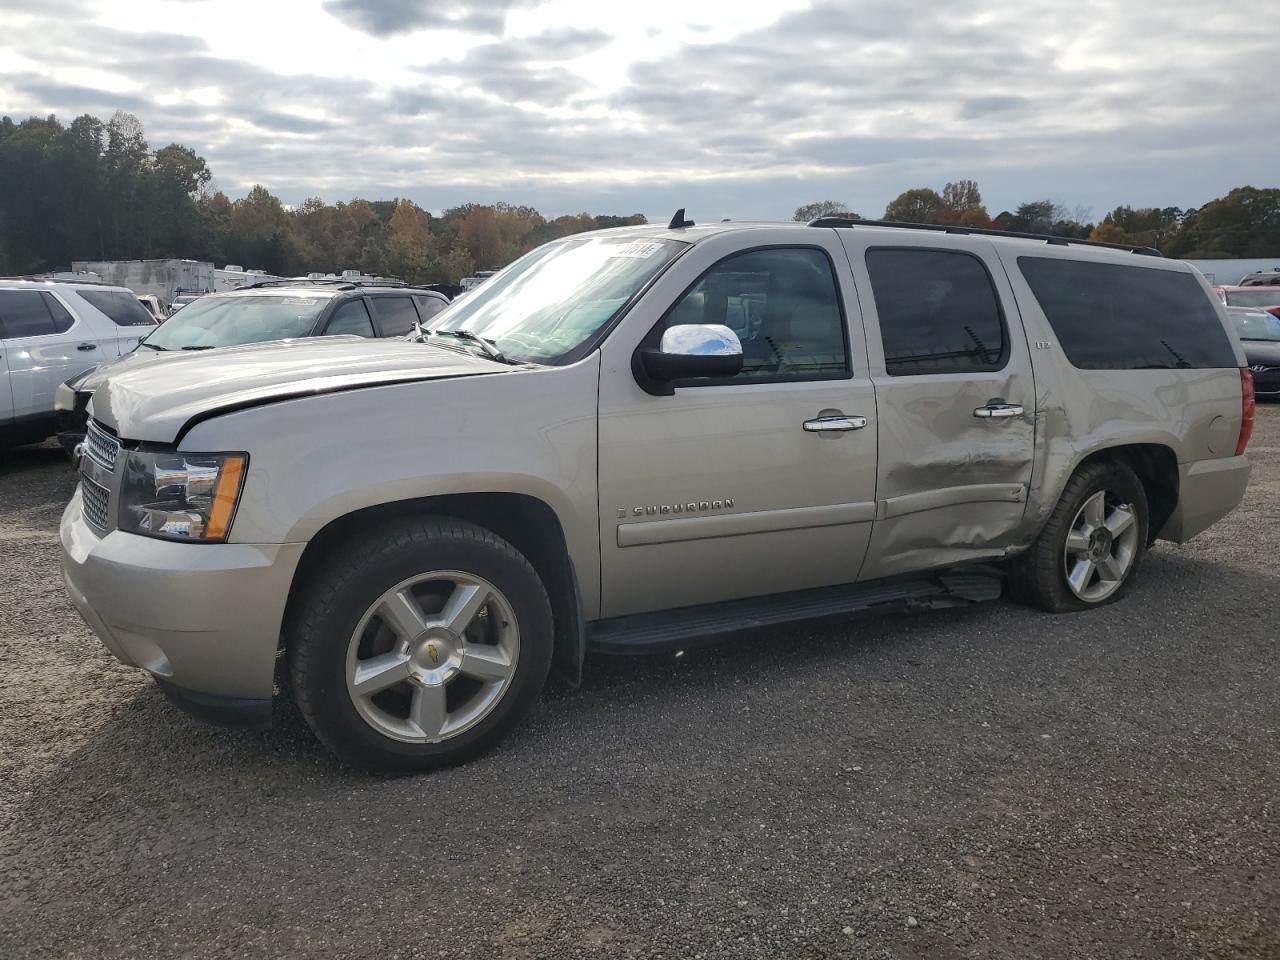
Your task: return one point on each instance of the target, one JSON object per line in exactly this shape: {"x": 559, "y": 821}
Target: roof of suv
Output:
{"x": 694, "y": 233}
{"x": 29, "y": 283}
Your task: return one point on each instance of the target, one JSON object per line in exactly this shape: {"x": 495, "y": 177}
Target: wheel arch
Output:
{"x": 526, "y": 522}
{"x": 1156, "y": 466}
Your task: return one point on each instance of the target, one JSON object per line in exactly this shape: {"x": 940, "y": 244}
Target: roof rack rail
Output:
{"x": 46, "y": 278}
{"x": 983, "y": 232}
{"x": 333, "y": 281}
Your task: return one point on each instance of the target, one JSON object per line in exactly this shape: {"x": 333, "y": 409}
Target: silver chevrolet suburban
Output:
{"x": 633, "y": 439}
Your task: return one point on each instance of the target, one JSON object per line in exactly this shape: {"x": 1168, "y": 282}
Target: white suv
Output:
{"x": 49, "y": 332}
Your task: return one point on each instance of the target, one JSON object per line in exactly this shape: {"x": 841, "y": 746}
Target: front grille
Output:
{"x": 96, "y": 498}
{"x": 101, "y": 446}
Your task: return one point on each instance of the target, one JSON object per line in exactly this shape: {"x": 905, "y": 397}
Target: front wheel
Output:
{"x": 421, "y": 647}
{"x": 1091, "y": 547}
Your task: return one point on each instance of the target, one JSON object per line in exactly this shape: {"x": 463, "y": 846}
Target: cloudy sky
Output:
{"x": 729, "y": 108}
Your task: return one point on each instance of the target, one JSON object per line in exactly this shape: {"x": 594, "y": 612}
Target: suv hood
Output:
{"x": 155, "y": 401}
{"x": 92, "y": 379}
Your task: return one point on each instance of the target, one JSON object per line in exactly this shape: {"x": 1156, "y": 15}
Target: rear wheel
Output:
{"x": 1091, "y": 546}
{"x": 422, "y": 647}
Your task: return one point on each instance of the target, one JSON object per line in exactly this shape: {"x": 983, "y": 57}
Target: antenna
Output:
{"x": 678, "y": 222}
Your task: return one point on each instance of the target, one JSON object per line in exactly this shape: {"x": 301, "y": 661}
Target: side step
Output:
{"x": 643, "y": 633}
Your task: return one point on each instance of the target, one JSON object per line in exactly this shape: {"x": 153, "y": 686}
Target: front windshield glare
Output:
{"x": 551, "y": 301}
{"x": 1258, "y": 326}
{"x": 224, "y": 322}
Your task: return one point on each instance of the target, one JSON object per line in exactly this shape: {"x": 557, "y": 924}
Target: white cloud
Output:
{"x": 751, "y": 109}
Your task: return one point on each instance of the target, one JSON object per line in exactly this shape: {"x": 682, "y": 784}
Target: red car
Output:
{"x": 1267, "y": 298}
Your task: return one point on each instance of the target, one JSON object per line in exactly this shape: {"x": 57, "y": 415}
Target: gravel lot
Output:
{"x": 990, "y": 783}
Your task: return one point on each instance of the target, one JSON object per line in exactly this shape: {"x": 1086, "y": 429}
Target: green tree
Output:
{"x": 823, "y": 208}
{"x": 1244, "y": 223}
{"x": 920, "y": 205}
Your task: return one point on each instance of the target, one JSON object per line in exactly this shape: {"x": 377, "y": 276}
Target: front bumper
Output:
{"x": 204, "y": 619}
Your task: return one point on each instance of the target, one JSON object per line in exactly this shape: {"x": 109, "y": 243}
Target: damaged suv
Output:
{"x": 632, "y": 439}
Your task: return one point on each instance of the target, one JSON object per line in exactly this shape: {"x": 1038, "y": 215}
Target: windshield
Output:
{"x": 551, "y": 301}
{"x": 1256, "y": 325}
{"x": 1262, "y": 297}
{"x": 218, "y": 322}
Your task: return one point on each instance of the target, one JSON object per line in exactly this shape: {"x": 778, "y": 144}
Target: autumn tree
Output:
{"x": 479, "y": 234}
{"x": 962, "y": 205}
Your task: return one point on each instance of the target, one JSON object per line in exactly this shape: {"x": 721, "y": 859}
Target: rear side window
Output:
{"x": 396, "y": 315}
{"x": 938, "y": 311}
{"x": 62, "y": 319}
{"x": 24, "y": 313}
{"x": 1109, "y": 316}
{"x": 123, "y": 308}
{"x": 428, "y": 307}
{"x": 351, "y": 318}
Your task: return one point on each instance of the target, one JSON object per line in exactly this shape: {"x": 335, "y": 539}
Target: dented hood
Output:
{"x": 155, "y": 401}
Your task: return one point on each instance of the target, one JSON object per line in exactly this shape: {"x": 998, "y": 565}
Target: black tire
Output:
{"x": 1038, "y": 577}
{"x": 338, "y": 595}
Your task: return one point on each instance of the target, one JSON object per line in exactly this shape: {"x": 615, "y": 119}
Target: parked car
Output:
{"x": 1268, "y": 298}
{"x": 632, "y": 439}
{"x": 50, "y": 331}
{"x": 158, "y": 309}
{"x": 181, "y": 300}
{"x": 274, "y": 310}
{"x": 1260, "y": 336}
{"x": 1261, "y": 278}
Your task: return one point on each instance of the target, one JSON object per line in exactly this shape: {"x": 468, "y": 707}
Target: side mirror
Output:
{"x": 688, "y": 351}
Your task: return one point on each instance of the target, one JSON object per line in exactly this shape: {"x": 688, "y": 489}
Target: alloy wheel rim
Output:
{"x": 432, "y": 656}
{"x": 1101, "y": 547}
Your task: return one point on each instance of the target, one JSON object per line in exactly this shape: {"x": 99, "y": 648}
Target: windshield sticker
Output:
{"x": 299, "y": 301}
{"x": 640, "y": 249}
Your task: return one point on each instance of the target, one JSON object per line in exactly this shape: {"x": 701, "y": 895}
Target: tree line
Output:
{"x": 1245, "y": 223}
{"x": 95, "y": 190}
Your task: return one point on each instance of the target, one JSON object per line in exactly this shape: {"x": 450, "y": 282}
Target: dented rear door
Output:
{"x": 954, "y": 395}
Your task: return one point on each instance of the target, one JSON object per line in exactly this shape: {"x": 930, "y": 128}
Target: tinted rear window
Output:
{"x": 1112, "y": 317}
{"x": 938, "y": 312}
{"x": 23, "y": 313}
{"x": 123, "y": 308}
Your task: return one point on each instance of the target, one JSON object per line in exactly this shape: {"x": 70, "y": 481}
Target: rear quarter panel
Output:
{"x": 1195, "y": 413}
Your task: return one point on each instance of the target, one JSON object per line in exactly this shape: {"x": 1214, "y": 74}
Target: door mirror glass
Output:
{"x": 691, "y": 350}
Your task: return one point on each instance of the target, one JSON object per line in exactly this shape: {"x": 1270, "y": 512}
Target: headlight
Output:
{"x": 181, "y": 496}
{"x": 64, "y": 398}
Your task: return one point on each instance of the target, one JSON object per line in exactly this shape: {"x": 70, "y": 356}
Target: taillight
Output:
{"x": 1248, "y": 402}
{"x": 1274, "y": 311}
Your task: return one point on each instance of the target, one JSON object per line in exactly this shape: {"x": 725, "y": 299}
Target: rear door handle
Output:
{"x": 998, "y": 408}
{"x": 822, "y": 424}
{"x": 87, "y": 346}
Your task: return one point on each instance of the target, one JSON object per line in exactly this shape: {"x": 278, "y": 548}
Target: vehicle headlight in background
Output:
{"x": 181, "y": 496}
{"x": 64, "y": 398}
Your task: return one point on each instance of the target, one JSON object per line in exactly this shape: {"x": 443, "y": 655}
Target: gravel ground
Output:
{"x": 989, "y": 783}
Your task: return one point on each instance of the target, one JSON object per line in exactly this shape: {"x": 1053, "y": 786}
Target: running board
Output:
{"x": 643, "y": 633}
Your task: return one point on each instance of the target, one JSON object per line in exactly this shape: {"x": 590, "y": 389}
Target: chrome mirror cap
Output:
{"x": 700, "y": 340}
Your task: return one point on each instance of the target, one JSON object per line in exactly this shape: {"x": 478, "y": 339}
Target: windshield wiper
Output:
{"x": 197, "y": 348}
{"x": 486, "y": 346}
{"x": 152, "y": 346}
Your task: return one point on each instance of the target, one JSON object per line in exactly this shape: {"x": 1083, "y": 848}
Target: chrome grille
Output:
{"x": 96, "y": 498}
{"x": 101, "y": 446}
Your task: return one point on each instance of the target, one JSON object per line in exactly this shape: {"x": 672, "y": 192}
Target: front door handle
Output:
{"x": 823, "y": 424}
{"x": 998, "y": 408}
{"x": 87, "y": 346}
